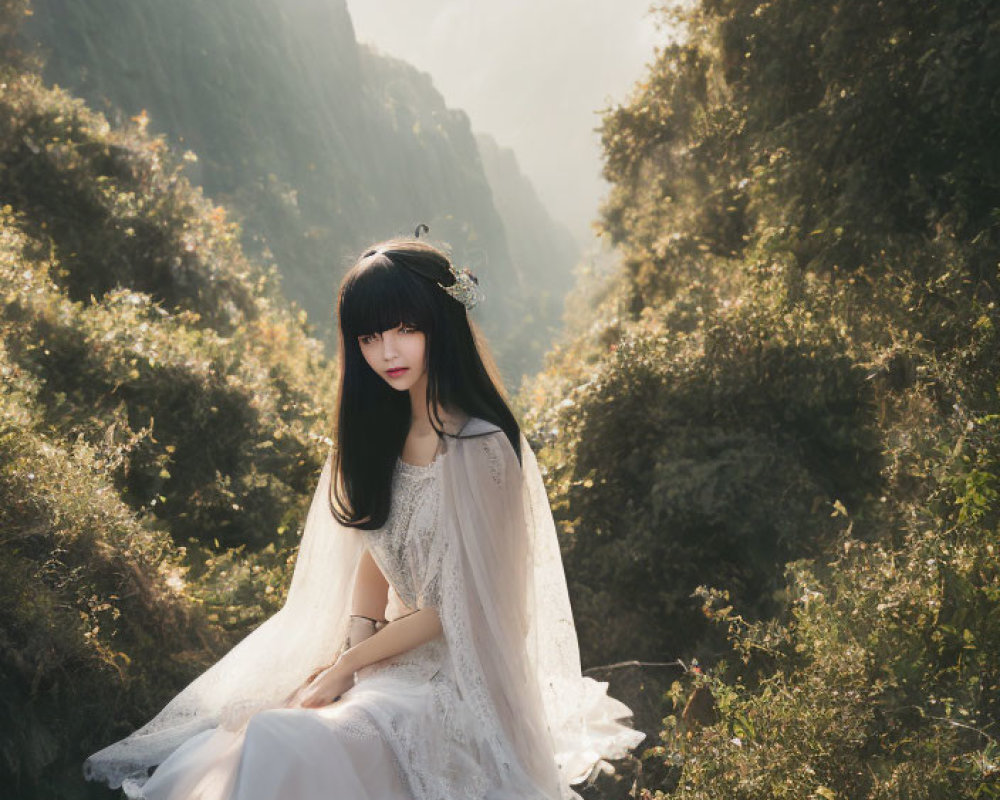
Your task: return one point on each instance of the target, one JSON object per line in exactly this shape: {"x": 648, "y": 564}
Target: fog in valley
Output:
{"x": 533, "y": 75}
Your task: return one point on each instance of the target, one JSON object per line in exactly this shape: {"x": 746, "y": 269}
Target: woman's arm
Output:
{"x": 371, "y": 589}
{"x": 404, "y": 633}
{"x": 368, "y": 602}
{"x": 370, "y": 598}
{"x": 398, "y": 636}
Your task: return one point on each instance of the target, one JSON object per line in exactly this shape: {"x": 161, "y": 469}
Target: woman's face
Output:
{"x": 397, "y": 355}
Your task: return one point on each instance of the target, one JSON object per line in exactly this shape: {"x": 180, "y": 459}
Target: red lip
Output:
{"x": 395, "y": 372}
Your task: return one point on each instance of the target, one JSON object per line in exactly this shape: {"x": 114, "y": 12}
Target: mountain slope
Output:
{"x": 316, "y": 144}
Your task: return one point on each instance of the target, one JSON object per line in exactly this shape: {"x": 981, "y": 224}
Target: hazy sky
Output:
{"x": 532, "y": 73}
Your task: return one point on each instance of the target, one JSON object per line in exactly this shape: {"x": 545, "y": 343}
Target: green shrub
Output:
{"x": 162, "y": 424}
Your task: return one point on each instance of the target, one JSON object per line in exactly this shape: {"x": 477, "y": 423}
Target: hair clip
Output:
{"x": 465, "y": 289}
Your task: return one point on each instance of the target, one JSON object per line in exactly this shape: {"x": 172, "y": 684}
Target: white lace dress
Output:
{"x": 400, "y": 733}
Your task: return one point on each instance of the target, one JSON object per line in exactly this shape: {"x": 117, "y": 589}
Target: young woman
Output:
{"x": 426, "y": 650}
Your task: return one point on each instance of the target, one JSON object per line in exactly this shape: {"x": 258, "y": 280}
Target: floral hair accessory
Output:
{"x": 465, "y": 289}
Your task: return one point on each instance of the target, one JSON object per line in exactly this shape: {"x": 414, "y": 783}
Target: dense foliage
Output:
{"x": 798, "y": 365}
{"x": 163, "y": 418}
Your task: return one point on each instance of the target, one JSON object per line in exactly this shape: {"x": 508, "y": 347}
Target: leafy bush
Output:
{"x": 797, "y": 362}
{"x": 162, "y": 425}
{"x": 884, "y": 679}
{"x": 670, "y": 464}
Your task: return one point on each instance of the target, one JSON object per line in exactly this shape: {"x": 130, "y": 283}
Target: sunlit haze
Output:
{"x": 532, "y": 73}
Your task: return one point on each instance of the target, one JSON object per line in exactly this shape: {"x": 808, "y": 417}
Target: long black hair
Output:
{"x": 396, "y": 282}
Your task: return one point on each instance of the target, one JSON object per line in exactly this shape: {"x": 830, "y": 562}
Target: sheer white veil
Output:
{"x": 505, "y": 614}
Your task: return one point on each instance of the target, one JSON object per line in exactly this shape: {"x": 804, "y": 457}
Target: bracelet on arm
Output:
{"x": 360, "y": 628}
{"x": 372, "y": 619}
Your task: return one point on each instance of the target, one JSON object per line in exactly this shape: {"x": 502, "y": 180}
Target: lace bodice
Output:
{"x": 407, "y": 548}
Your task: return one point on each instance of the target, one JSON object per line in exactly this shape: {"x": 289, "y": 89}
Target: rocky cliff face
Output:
{"x": 542, "y": 250}
{"x": 317, "y": 144}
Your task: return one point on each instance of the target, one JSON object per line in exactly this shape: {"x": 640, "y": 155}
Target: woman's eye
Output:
{"x": 403, "y": 328}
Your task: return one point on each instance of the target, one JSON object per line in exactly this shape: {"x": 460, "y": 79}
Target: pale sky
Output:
{"x": 532, "y": 73}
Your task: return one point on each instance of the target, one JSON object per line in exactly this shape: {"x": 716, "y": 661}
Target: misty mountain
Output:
{"x": 542, "y": 250}
{"x": 318, "y": 145}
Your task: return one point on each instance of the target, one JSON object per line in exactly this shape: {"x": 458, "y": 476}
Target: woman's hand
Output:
{"x": 293, "y": 697}
{"x": 325, "y": 686}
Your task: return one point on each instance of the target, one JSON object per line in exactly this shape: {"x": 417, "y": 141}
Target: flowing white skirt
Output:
{"x": 400, "y": 733}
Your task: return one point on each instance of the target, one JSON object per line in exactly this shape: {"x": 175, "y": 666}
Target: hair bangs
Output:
{"x": 381, "y": 295}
